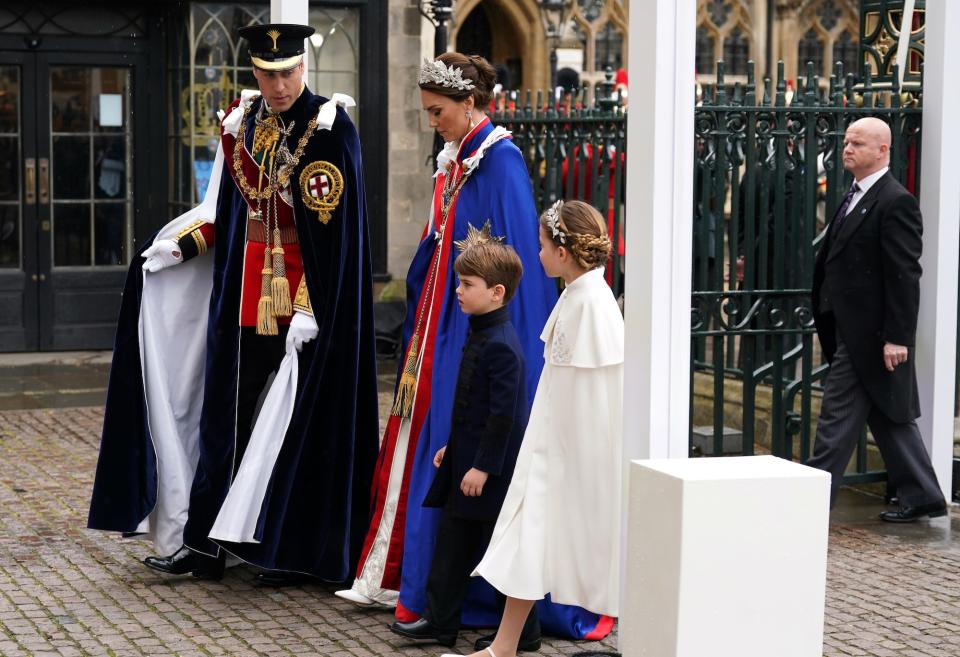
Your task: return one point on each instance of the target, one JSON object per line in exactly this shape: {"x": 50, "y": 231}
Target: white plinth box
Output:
{"x": 725, "y": 557}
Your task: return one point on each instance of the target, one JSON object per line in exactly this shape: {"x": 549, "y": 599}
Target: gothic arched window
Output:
{"x": 810, "y": 49}
{"x": 736, "y": 52}
{"x": 706, "y": 53}
{"x": 846, "y": 50}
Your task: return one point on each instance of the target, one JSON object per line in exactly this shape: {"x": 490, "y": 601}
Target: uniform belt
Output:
{"x": 257, "y": 232}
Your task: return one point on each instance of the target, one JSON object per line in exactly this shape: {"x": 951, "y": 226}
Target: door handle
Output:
{"x": 44, "y": 180}
{"x": 30, "y": 181}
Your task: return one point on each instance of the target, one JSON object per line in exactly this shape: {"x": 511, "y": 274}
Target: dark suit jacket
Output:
{"x": 489, "y": 417}
{"x": 870, "y": 267}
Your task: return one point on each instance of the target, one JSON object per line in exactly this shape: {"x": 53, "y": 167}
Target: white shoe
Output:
{"x": 354, "y": 597}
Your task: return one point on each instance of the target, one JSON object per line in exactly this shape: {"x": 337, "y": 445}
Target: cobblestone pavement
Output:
{"x": 65, "y": 590}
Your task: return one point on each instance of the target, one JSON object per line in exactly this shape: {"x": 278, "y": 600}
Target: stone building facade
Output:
{"x": 593, "y": 36}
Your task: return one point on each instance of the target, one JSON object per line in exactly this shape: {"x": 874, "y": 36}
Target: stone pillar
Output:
{"x": 409, "y": 182}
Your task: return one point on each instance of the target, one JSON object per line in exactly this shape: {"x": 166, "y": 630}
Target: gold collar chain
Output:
{"x": 282, "y": 175}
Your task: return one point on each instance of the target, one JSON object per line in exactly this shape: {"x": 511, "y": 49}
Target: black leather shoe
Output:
{"x": 911, "y": 513}
{"x": 279, "y": 578}
{"x": 180, "y": 562}
{"x": 525, "y": 645}
{"x": 210, "y": 568}
{"x": 423, "y": 630}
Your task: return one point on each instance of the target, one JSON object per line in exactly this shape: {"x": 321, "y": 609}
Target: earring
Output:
{"x": 469, "y": 116}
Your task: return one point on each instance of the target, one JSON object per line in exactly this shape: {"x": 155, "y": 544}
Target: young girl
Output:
{"x": 558, "y": 531}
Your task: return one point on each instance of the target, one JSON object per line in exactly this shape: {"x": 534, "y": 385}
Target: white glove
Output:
{"x": 303, "y": 328}
{"x": 162, "y": 254}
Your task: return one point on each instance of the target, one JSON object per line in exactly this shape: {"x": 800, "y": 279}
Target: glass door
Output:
{"x": 19, "y": 278}
{"x": 85, "y": 201}
{"x": 67, "y": 199}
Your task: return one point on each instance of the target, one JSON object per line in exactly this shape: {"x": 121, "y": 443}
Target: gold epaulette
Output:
{"x": 301, "y": 301}
{"x": 193, "y": 230}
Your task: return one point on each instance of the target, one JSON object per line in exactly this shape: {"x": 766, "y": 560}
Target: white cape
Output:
{"x": 558, "y": 531}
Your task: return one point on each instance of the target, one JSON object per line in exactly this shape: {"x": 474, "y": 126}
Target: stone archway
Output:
{"x": 516, "y": 37}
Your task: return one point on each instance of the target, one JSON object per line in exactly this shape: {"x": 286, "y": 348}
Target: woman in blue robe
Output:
{"x": 481, "y": 176}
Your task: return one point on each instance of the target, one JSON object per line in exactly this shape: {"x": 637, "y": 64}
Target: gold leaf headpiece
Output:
{"x": 475, "y": 237}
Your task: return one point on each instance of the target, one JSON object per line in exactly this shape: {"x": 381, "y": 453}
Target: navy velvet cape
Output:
{"x": 316, "y": 507}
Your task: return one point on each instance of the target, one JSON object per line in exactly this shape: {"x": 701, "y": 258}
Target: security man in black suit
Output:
{"x": 866, "y": 295}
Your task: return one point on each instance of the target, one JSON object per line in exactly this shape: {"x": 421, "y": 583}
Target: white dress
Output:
{"x": 559, "y": 529}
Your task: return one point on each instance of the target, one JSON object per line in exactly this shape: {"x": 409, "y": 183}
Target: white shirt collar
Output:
{"x": 870, "y": 180}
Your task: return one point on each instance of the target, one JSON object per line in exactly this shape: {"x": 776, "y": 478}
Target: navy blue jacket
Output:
{"x": 489, "y": 417}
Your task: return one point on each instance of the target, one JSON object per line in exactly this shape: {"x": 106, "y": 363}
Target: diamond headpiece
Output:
{"x": 475, "y": 237}
{"x": 552, "y": 216}
{"x": 436, "y": 72}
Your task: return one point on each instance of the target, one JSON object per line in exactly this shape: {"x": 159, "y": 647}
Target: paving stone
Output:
{"x": 65, "y": 590}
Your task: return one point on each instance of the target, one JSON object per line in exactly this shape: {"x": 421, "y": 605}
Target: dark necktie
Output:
{"x": 845, "y": 205}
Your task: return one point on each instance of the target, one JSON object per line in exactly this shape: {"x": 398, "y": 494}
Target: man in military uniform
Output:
{"x": 290, "y": 268}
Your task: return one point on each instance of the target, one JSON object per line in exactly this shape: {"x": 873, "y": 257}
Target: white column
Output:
{"x": 659, "y": 228}
{"x": 296, "y": 12}
{"x": 940, "y": 204}
{"x": 289, "y": 11}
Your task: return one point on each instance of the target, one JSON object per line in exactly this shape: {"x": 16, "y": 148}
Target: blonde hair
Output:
{"x": 585, "y": 233}
{"x": 494, "y": 262}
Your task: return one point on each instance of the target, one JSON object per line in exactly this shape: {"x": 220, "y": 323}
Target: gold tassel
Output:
{"x": 280, "y": 286}
{"x": 403, "y": 403}
{"x": 266, "y": 320}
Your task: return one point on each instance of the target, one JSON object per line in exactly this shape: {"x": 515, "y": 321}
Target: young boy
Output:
{"x": 489, "y": 418}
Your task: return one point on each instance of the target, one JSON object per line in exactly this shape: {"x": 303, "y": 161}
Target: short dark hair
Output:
{"x": 495, "y": 262}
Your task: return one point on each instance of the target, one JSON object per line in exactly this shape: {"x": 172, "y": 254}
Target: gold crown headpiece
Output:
{"x": 476, "y": 237}
{"x": 436, "y": 72}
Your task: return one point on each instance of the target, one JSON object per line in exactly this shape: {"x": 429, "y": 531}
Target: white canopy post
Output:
{"x": 296, "y": 12}
{"x": 940, "y": 204}
{"x": 659, "y": 242}
{"x": 659, "y": 228}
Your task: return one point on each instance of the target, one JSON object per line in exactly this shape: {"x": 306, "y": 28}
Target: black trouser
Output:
{"x": 260, "y": 356}
{"x": 846, "y": 407}
{"x": 460, "y": 545}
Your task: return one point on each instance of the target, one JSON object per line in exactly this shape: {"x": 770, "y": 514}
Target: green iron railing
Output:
{"x": 574, "y": 150}
{"x": 759, "y": 214}
{"x": 768, "y": 176}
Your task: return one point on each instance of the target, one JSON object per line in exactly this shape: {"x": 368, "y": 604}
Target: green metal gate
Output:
{"x": 768, "y": 176}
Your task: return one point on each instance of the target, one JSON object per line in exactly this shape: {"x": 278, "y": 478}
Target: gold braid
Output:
{"x": 283, "y": 175}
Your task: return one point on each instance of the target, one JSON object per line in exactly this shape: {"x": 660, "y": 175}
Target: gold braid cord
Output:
{"x": 407, "y": 386}
{"x": 283, "y": 175}
{"x": 301, "y": 302}
{"x": 275, "y": 288}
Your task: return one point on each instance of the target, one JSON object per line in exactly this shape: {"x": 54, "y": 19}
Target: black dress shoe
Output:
{"x": 210, "y": 568}
{"x": 525, "y": 645}
{"x": 424, "y": 630}
{"x": 279, "y": 578}
{"x": 911, "y": 513}
{"x": 180, "y": 562}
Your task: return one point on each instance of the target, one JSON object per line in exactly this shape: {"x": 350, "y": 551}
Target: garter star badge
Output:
{"x": 321, "y": 185}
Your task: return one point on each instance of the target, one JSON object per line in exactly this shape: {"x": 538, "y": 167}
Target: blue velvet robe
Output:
{"x": 316, "y": 508}
{"x": 498, "y": 190}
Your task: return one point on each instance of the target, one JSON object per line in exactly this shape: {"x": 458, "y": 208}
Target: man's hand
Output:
{"x": 303, "y": 328}
{"x": 893, "y": 355}
{"x": 162, "y": 254}
{"x": 473, "y": 481}
{"x": 438, "y": 457}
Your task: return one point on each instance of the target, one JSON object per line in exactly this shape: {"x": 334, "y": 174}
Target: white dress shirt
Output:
{"x": 865, "y": 186}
